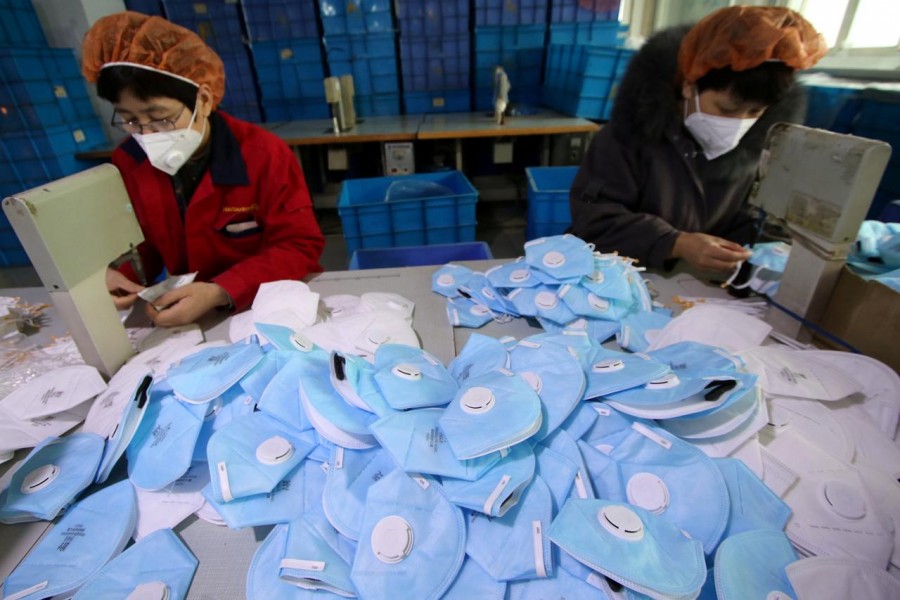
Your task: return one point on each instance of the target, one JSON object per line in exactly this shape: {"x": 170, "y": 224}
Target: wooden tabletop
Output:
{"x": 369, "y": 129}
{"x": 482, "y": 124}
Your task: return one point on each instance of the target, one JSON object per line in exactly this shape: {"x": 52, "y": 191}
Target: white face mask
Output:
{"x": 716, "y": 135}
{"x": 169, "y": 150}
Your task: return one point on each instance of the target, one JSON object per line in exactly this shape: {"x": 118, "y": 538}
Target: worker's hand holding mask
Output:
{"x": 709, "y": 252}
{"x": 123, "y": 290}
{"x": 186, "y": 304}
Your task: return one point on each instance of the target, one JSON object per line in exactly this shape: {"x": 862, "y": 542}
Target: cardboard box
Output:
{"x": 866, "y": 315}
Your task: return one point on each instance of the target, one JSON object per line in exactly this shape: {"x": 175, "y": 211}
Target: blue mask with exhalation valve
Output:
{"x": 252, "y": 454}
{"x": 632, "y": 546}
{"x": 350, "y": 475}
{"x": 412, "y": 378}
{"x": 479, "y": 290}
{"x": 233, "y": 404}
{"x": 463, "y": 312}
{"x": 610, "y": 371}
{"x": 515, "y": 546}
{"x": 498, "y": 489}
{"x": 489, "y": 413}
{"x": 584, "y": 303}
{"x": 353, "y": 378}
{"x": 541, "y": 301}
{"x": 639, "y": 329}
{"x": 51, "y": 476}
{"x": 752, "y": 565}
{"x": 412, "y": 542}
{"x": 418, "y": 444}
{"x": 206, "y": 374}
{"x": 446, "y": 280}
{"x": 514, "y": 274}
{"x": 284, "y": 338}
{"x": 157, "y": 566}
{"x": 608, "y": 279}
{"x": 481, "y": 354}
{"x": 565, "y": 257}
{"x": 87, "y": 537}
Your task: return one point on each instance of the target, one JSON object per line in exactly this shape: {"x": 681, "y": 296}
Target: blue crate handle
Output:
{"x": 415, "y": 189}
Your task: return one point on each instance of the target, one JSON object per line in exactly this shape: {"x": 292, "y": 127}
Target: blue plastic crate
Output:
{"x": 147, "y": 7}
{"x": 342, "y": 17}
{"x": 432, "y": 17}
{"x": 269, "y": 20}
{"x": 824, "y": 104}
{"x": 510, "y": 12}
{"x": 548, "y": 200}
{"x": 418, "y": 256}
{"x": 583, "y": 80}
{"x": 295, "y": 110}
{"x": 249, "y": 111}
{"x": 877, "y": 115}
{"x": 377, "y": 105}
{"x": 438, "y": 101}
{"x": 38, "y": 64}
{"x": 217, "y": 22}
{"x": 349, "y": 47}
{"x": 371, "y": 76}
{"x": 519, "y": 50}
{"x": 597, "y": 33}
{"x": 371, "y": 222}
{"x": 435, "y": 63}
{"x": 288, "y": 69}
{"x": 572, "y": 11}
{"x": 19, "y": 25}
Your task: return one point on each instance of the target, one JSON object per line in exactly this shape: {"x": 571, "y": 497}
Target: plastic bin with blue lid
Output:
{"x": 548, "y": 200}
{"x": 417, "y": 256}
{"x": 409, "y": 210}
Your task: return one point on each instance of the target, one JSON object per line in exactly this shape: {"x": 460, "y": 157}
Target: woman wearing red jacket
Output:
{"x": 213, "y": 194}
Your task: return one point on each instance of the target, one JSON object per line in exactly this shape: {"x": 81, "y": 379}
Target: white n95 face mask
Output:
{"x": 55, "y": 392}
{"x": 168, "y": 507}
{"x": 841, "y": 577}
{"x": 716, "y": 135}
{"x": 92, "y": 532}
{"x": 412, "y": 542}
{"x": 169, "y": 150}
{"x": 159, "y": 566}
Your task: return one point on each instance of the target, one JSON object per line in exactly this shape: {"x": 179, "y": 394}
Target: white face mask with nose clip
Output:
{"x": 168, "y": 151}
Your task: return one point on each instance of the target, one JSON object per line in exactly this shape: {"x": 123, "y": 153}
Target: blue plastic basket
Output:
{"x": 824, "y": 104}
{"x": 269, "y": 20}
{"x": 418, "y": 256}
{"x": 435, "y": 63}
{"x": 294, "y": 110}
{"x": 519, "y": 50}
{"x": 342, "y": 17}
{"x": 548, "y": 200}
{"x": 572, "y": 11}
{"x": 438, "y": 101}
{"x": 289, "y": 69}
{"x": 595, "y": 33}
{"x": 510, "y": 12}
{"x": 371, "y": 222}
{"x": 583, "y": 80}
{"x": 217, "y": 23}
{"x": 377, "y": 105}
{"x": 19, "y": 25}
{"x": 432, "y": 17}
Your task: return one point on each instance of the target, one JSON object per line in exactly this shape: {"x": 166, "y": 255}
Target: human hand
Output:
{"x": 709, "y": 252}
{"x": 124, "y": 291}
{"x": 186, "y": 304}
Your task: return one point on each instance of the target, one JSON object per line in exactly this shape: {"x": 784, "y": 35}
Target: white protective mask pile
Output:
{"x": 546, "y": 466}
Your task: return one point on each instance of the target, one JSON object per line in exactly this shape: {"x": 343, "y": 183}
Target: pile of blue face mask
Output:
{"x": 877, "y": 248}
{"x": 560, "y": 282}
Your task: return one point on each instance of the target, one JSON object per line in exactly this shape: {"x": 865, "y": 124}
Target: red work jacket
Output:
{"x": 249, "y": 221}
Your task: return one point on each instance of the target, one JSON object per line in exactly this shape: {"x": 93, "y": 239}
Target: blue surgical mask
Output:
{"x": 565, "y": 257}
{"x": 753, "y": 504}
{"x": 206, "y": 375}
{"x": 498, "y": 489}
{"x": 481, "y": 354}
{"x": 252, "y": 454}
{"x": 559, "y": 587}
{"x": 75, "y": 549}
{"x": 480, "y": 291}
{"x": 315, "y": 558}
{"x": 541, "y": 301}
{"x": 412, "y": 378}
{"x": 412, "y": 539}
{"x": 447, "y": 279}
{"x": 639, "y": 328}
{"x": 515, "y": 546}
{"x": 159, "y": 566}
{"x": 752, "y": 565}
{"x": 632, "y": 546}
{"x": 231, "y": 405}
{"x": 514, "y": 274}
{"x": 489, "y": 413}
{"x": 263, "y": 581}
{"x": 281, "y": 397}
{"x": 555, "y": 375}
{"x": 463, "y": 312}
{"x": 610, "y": 371}
{"x": 350, "y": 475}
{"x": 608, "y": 280}
{"x": 474, "y": 582}
{"x": 564, "y": 444}
{"x": 353, "y": 378}
{"x": 418, "y": 444}
{"x": 558, "y": 472}
{"x": 51, "y": 476}
{"x": 584, "y": 303}
{"x": 660, "y": 473}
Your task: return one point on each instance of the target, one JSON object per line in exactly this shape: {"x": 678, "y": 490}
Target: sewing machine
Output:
{"x": 72, "y": 229}
{"x": 821, "y": 184}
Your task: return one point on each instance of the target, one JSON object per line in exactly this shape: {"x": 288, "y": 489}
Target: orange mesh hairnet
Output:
{"x": 743, "y": 37}
{"x": 154, "y": 43}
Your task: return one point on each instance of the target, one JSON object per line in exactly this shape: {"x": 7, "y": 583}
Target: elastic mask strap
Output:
{"x": 224, "y": 486}
{"x": 27, "y": 592}
{"x": 538, "y": 538}
{"x": 504, "y": 481}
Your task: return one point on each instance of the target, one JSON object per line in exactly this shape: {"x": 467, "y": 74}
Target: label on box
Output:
{"x": 199, "y": 9}
{"x": 60, "y": 91}
{"x": 79, "y": 136}
{"x": 437, "y": 102}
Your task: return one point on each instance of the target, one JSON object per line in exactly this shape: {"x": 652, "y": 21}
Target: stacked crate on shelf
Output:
{"x": 46, "y": 118}
{"x": 582, "y": 80}
{"x": 19, "y": 25}
{"x": 219, "y": 24}
{"x": 581, "y": 11}
{"x": 510, "y": 34}
{"x": 878, "y": 118}
{"x": 434, "y": 55}
{"x": 360, "y": 41}
{"x": 147, "y": 7}
{"x": 284, "y": 40}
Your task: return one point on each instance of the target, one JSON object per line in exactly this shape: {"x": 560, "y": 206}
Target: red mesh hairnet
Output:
{"x": 743, "y": 37}
{"x": 154, "y": 43}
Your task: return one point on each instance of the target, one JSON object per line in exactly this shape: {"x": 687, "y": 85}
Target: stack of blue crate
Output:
{"x": 509, "y": 33}
{"x": 878, "y": 118}
{"x": 219, "y": 24}
{"x": 284, "y": 40}
{"x": 359, "y": 41}
{"x": 147, "y": 7}
{"x": 434, "y": 55}
{"x": 46, "y": 116}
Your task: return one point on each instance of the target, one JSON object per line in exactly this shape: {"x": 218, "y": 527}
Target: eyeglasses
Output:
{"x": 156, "y": 126}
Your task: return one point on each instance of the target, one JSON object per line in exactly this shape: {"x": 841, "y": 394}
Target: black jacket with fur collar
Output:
{"x": 644, "y": 179}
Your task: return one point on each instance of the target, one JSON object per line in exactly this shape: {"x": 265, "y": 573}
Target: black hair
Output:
{"x": 144, "y": 85}
{"x": 766, "y": 83}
